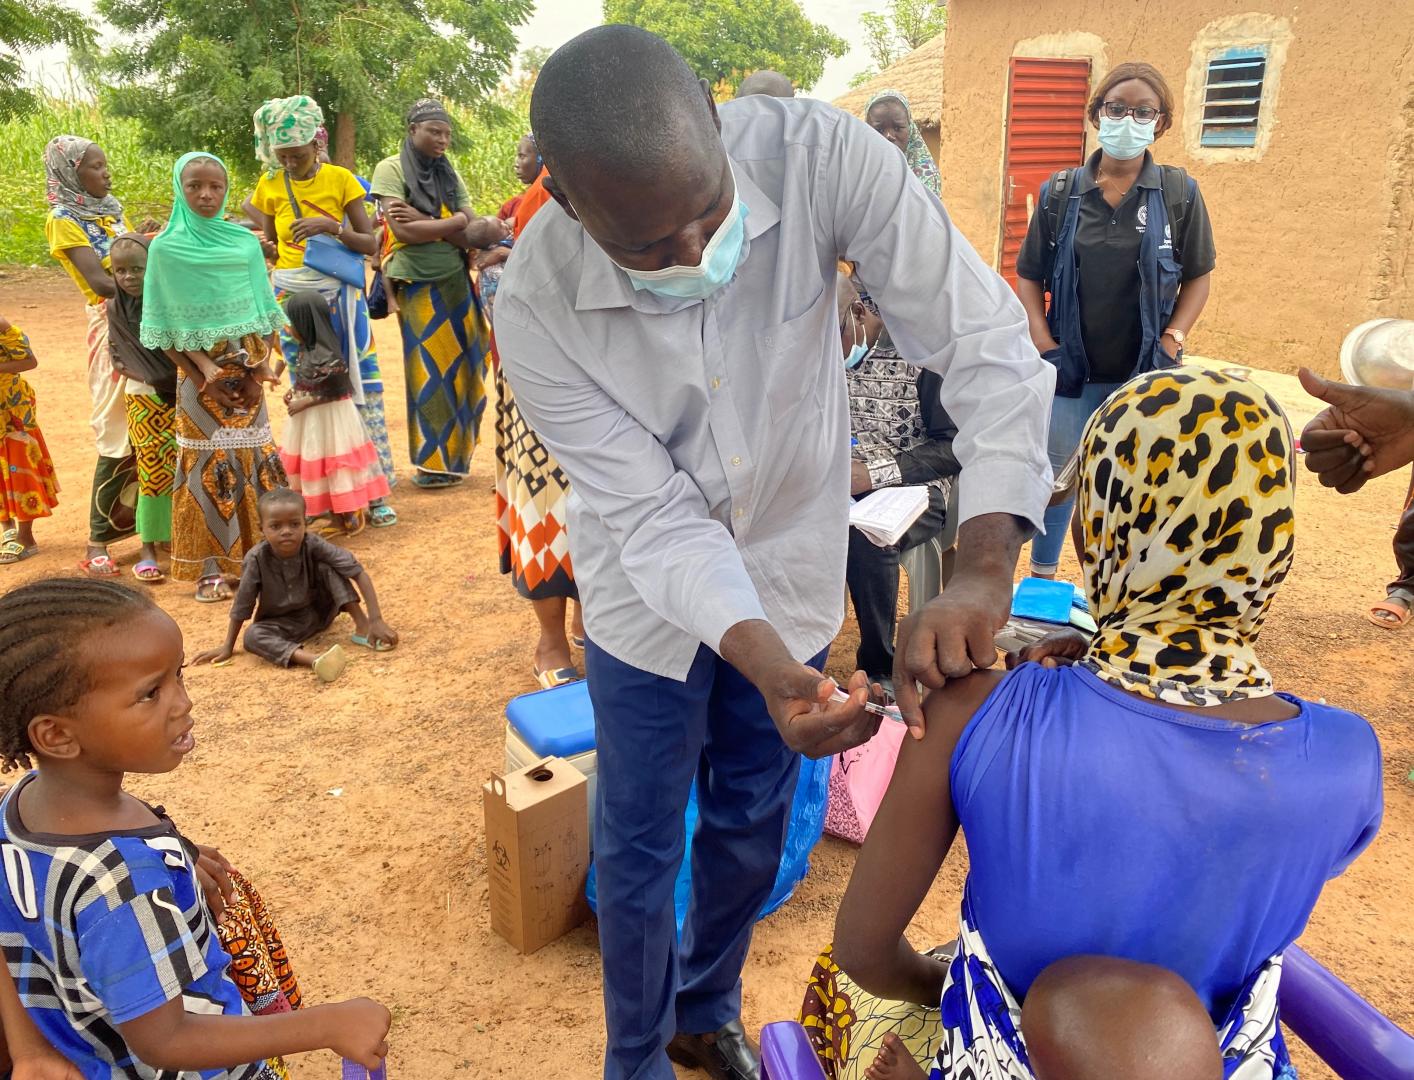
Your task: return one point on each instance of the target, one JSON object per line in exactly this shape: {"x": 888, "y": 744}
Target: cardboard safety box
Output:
{"x": 537, "y": 852}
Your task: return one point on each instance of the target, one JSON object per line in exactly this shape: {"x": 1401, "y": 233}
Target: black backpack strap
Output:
{"x": 1053, "y": 197}
{"x": 1180, "y": 190}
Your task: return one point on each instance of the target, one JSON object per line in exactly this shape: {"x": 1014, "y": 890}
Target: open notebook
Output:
{"x": 885, "y": 515}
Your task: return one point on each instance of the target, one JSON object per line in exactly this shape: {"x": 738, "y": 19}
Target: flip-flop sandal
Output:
{"x": 99, "y": 566}
{"x": 359, "y": 525}
{"x": 330, "y": 665}
{"x": 12, "y": 551}
{"x": 222, "y": 595}
{"x": 382, "y": 517}
{"x": 360, "y": 639}
{"x": 149, "y": 572}
{"x": 577, "y": 642}
{"x": 1401, "y": 612}
{"x": 555, "y": 677}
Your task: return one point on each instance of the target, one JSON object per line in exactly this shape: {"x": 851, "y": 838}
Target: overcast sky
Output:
{"x": 556, "y": 21}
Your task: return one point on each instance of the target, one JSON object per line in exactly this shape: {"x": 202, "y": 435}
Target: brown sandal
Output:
{"x": 1400, "y": 609}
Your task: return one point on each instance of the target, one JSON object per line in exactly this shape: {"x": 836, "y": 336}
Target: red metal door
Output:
{"x": 1045, "y": 131}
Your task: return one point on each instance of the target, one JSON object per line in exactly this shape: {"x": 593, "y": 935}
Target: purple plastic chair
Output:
{"x": 353, "y": 1071}
{"x": 786, "y": 1053}
{"x": 1344, "y": 1030}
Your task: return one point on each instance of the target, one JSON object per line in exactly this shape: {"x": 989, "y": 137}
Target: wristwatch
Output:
{"x": 1175, "y": 333}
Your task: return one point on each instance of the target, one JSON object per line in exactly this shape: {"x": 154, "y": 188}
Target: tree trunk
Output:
{"x": 345, "y": 132}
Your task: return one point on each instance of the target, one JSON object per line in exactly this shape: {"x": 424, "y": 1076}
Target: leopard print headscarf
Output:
{"x": 1186, "y": 494}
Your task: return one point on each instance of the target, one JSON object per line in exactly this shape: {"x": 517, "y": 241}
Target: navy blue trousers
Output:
{"x": 654, "y": 736}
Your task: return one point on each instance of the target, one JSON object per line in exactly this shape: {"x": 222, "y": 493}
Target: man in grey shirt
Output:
{"x": 670, "y": 332}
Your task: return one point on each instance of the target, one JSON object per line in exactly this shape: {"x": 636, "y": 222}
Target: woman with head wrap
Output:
{"x": 84, "y": 216}
{"x": 207, "y": 303}
{"x": 1150, "y": 828}
{"x": 888, "y": 114}
{"x": 445, "y": 336}
{"x": 300, "y": 196}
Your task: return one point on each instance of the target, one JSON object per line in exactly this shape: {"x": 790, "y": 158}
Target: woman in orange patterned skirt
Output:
{"x": 28, "y": 487}
{"x": 531, "y": 490}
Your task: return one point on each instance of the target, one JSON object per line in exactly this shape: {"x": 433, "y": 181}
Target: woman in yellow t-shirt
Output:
{"x": 83, "y": 219}
{"x": 301, "y": 195}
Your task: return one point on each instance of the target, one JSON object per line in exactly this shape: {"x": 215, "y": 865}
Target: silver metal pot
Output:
{"x": 1379, "y": 353}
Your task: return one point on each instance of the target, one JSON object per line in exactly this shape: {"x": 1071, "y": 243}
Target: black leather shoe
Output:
{"x": 729, "y": 1054}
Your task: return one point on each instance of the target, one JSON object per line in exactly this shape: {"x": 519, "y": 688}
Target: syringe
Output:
{"x": 890, "y": 712}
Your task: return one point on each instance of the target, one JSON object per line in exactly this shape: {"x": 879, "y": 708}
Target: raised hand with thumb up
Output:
{"x": 1366, "y": 432}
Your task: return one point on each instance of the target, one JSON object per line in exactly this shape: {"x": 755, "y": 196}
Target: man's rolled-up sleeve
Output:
{"x": 949, "y": 312}
{"x": 683, "y": 563}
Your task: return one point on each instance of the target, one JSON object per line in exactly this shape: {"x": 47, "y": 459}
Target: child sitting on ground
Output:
{"x": 327, "y": 453}
{"x": 1150, "y": 828}
{"x": 108, "y": 934}
{"x": 302, "y": 582}
{"x": 28, "y": 487}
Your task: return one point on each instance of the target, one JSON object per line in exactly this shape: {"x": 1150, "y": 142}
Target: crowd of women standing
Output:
{"x": 190, "y": 324}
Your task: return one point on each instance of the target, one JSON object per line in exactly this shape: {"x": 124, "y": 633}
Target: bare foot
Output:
{"x": 894, "y": 1062}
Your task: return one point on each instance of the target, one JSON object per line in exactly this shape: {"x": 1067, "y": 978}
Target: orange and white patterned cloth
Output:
{"x": 532, "y": 505}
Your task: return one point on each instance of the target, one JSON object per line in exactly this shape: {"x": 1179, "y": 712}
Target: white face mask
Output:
{"x": 721, "y": 256}
{"x": 1126, "y": 138}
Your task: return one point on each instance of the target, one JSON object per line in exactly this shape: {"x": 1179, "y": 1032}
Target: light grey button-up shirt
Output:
{"x": 707, "y": 442}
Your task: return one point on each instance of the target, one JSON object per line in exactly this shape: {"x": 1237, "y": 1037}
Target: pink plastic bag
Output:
{"x": 858, "y": 780}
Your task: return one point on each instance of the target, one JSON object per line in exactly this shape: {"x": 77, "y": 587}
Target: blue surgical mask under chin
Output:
{"x": 859, "y": 351}
{"x": 719, "y": 261}
{"x": 1126, "y": 138}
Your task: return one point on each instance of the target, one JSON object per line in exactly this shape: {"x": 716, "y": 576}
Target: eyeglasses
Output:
{"x": 1118, "y": 110}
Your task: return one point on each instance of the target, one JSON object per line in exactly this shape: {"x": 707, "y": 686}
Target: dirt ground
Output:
{"x": 381, "y": 890}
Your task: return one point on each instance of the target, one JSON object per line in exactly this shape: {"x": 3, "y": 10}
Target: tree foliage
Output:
{"x": 193, "y": 71}
{"x": 725, "y": 40}
{"x": 27, "y": 25}
{"x": 897, "y": 30}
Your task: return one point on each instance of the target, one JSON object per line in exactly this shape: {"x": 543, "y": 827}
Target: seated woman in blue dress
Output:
{"x": 1149, "y": 828}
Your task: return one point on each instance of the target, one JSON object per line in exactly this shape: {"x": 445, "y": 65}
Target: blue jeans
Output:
{"x": 1068, "y": 419}
{"x": 653, "y": 735}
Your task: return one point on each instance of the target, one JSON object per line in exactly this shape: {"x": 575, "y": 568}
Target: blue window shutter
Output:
{"x": 1232, "y": 98}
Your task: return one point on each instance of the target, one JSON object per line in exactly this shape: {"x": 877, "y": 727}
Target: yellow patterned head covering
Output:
{"x": 1186, "y": 496}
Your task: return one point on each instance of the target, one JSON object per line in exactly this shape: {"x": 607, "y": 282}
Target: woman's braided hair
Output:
{"x": 42, "y": 664}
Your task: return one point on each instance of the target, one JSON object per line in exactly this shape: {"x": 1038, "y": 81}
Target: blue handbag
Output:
{"x": 327, "y": 255}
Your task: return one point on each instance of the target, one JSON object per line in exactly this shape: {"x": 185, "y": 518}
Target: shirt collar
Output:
{"x": 1149, "y": 174}
{"x": 603, "y": 284}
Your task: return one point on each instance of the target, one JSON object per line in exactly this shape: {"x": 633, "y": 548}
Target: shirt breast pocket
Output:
{"x": 791, "y": 354}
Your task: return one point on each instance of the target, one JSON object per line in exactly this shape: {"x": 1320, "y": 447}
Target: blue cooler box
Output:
{"x": 554, "y": 723}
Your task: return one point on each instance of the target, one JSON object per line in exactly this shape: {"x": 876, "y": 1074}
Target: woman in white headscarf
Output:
{"x": 889, "y": 114}
{"x": 84, "y": 217}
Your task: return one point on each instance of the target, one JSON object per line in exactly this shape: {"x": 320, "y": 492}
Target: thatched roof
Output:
{"x": 919, "y": 75}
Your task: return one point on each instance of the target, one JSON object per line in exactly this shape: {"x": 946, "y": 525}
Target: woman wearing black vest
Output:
{"x": 1125, "y": 249}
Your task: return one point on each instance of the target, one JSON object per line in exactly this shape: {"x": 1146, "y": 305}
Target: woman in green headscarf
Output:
{"x": 889, "y": 114}
{"x": 209, "y": 304}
